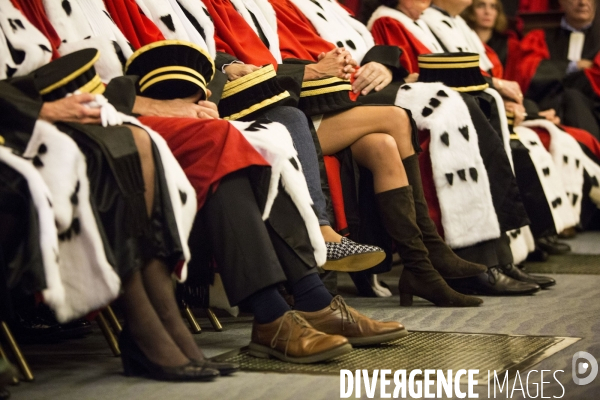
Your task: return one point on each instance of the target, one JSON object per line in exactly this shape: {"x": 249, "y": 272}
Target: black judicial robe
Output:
{"x": 542, "y": 75}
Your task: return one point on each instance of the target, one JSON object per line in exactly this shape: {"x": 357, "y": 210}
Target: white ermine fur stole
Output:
{"x": 460, "y": 177}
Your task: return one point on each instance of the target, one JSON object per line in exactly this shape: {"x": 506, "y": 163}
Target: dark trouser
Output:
{"x": 253, "y": 254}
{"x": 575, "y": 109}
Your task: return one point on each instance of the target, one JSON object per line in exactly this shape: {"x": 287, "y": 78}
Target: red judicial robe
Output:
{"x": 541, "y": 63}
{"x": 297, "y": 36}
{"x": 389, "y": 31}
{"x": 207, "y": 150}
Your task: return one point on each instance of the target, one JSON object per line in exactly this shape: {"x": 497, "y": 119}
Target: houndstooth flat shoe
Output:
{"x": 349, "y": 256}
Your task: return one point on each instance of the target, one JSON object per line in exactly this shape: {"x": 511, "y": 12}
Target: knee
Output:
{"x": 383, "y": 149}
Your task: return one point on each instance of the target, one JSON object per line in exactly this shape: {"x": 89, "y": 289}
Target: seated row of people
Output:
{"x": 252, "y": 183}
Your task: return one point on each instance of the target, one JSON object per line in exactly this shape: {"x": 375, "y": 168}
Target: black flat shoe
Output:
{"x": 493, "y": 283}
{"x": 552, "y": 246}
{"x": 135, "y": 363}
{"x": 514, "y": 272}
{"x": 537, "y": 255}
{"x": 224, "y": 368}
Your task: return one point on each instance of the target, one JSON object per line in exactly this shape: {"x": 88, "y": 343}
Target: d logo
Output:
{"x": 582, "y": 367}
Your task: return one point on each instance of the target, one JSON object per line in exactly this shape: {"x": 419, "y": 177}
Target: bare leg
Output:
{"x": 145, "y": 326}
{"x": 330, "y": 235}
{"x": 379, "y": 154}
{"x": 341, "y": 130}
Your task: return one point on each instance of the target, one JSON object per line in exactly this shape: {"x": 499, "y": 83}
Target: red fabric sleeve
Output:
{"x": 235, "y": 37}
{"x": 533, "y": 5}
{"x": 136, "y": 27}
{"x": 35, "y": 13}
{"x": 297, "y": 36}
{"x": 593, "y": 74}
{"x": 532, "y": 51}
{"x": 497, "y": 69}
{"x": 388, "y": 31}
{"x": 513, "y": 59}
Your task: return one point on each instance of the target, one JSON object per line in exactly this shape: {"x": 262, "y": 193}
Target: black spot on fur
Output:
{"x": 546, "y": 171}
{"x": 10, "y": 71}
{"x": 77, "y": 186}
{"x": 339, "y": 44}
{"x": 556, "y": 202}
{"x": 465, "y": 132}
{"x": 183, "y": 196}
{"x": 575, "y": 197}
{"x": 447, "y": 23}
{"x": 351, "y": 44}
{"x": 37, "y": 161}
{"x": 108, "y": 15}
{"x": 462, "y": 175}
{"x": 168, "y": 21}
{"x": 433, "y": 102}
{"x": 19, "y": 23}
{"x": 49, "y": 202}
{"x": 194, "y": 22}
{"x": 45, "y": 48}
{"x": 474, "y": 174}
{"x": 207, "y": 14}
{"x": 76, "y": 226}
{"x": 565, "y": 159}
{"x": 42, "y": 149}
{"x": 441, "y": 93}
{"x": 405, "y": 87}
{"x": 445, "y": 138}
{"x": 74, "y": 199}
{"x": 67, "y": 7}
{"x": 17, "y": 55}
{"x": 295, "y": 164}
{"x": 258, "y": 125}
{"x": 12, "y": 25}
{"x": 426, "y": 112}
{"x": 450, "y": 178}
{"x": 317, "y": 4}
{"x": 531, "y": 142}
{"x": 577, "y": 163}
{"x": 322, "y": 16}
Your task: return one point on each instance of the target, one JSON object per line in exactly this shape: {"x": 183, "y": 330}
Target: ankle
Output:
{"x": 330, "y": 235}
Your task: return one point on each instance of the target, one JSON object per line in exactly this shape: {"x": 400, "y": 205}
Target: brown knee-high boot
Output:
{"x": 397, "y": 210}
{"x": 448, "y": 264}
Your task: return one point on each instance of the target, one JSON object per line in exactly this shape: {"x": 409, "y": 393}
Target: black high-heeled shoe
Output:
{"x": 135, "y": 363}
{"x": 224, "y": 368}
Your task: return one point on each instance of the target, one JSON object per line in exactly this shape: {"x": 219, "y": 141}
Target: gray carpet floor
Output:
{"x": 85, "y": 369}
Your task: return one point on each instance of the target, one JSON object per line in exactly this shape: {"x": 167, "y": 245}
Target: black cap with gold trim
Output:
{"x": 326, "y": 95}
{"x": 171, "y": 69}
{"x": 67, "y": 74}
{"x": 510, "y": 121}
{"x": 460, "y": 71}
{"x": 256, "y": 92}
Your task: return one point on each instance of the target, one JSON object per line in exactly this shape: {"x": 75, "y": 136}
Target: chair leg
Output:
{"x": 14, "y": 347}
{"x": 109, "y": 314}
{"x": 191, "y": 320}
{"x": 214, "y": 320}
{"x": 108, "y": 334}
{"x": 15, "y": 379}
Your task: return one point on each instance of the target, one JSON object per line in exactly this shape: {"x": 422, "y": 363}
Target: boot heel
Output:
{"x": 406, "y": 299}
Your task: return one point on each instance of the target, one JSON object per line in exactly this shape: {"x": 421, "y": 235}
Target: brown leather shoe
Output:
{"x": 340, "y": 319}
{"x": 290, "y": 338}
